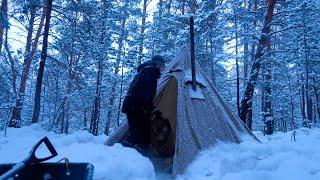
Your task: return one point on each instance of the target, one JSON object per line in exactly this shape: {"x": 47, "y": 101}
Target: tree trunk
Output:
{"x": 316, "y": 98}
{"x": 56, "y": 97}
{"x": 12, "y": 65}
{"x": 183, "y": 7}
{"x": 246, "y": 102}
{"x": 237, "y": 60}
{"x": 114, "y": 84}
{"x": 85, "y": 119}
{"x": 308, "y": 97}
{"x": 302, "y": 102}
{"x": 169, "y": 3}
{"x": 245, "y": 48}
{"x": 292, "y": 121}
{"x": 66, "y": 104}
{"x": 95, "y": 117}
{"x": 252, "y": 57}
{"x": 213, "y": 75}
{"x": 3, "y": 20}
{"x": 143, "y": 24}
{"x": 37, "y": 101}
{"x": 15, "y": 120}
{"x": 160, "y": 8}
{"x": 120, "y": 97}
{"x": 94, "y": 124}
{"x": 193, "y": 6}
{"x": 267, "y": 113}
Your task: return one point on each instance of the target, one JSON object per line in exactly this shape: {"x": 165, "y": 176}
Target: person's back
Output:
{"x": 142, "y": 90}
{"x": 138, "y": 102}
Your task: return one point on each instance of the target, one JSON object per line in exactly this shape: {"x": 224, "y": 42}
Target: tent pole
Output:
{"x": 193, "y": 68}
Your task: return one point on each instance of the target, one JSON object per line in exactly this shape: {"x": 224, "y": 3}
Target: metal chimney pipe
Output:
{"x": 193, "y": 68}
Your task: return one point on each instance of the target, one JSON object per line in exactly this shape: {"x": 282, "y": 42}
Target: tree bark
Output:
{"x": 169, "y": 6}
{"x": 307, "y": 91}
{"x": 56, "y": 97}
{"x": 12, "y": 65}
{"x": 317, "y": 100}
{"x": 160, "y": 8}
{"x": 15, "y": 120}
{"x": 246, "y": 48}
{"x": 143, "y": 24}
{"x": 302, "y": 102}
{"x": 120, "y": 97}
{"x": 193, "y": 6}
{"x": 3, "y": 20}
{"x": 116, "y": 71}
{"x": 292, "y": 121}
{"x": 37, "y": 101}
{"x": 237, "y": 60}
{"x": 246, "y": 102}
{"x": 95, "y": 117}
{"x": 213, "y": 75}
{"x": 252, "y": 56}
{"x": 267, "y": 113}
{"x": 66, "y": 100}
{"x": 183, "y": 7}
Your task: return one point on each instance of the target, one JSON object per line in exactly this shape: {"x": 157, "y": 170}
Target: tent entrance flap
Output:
{"x": 166, "y": 102}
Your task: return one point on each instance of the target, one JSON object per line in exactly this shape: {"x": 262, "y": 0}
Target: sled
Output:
{"x": 32, "y": 167}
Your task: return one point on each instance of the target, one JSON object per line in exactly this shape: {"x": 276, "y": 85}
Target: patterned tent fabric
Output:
{"x": 197, "y": 123}
{"x": 200, "y": 123}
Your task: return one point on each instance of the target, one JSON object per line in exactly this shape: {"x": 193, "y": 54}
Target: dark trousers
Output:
{"x": 139, "y": 127}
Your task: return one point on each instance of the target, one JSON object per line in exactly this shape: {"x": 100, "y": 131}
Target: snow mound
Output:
{"x": 114, "y": 163}
{"x": 279, "y": 157}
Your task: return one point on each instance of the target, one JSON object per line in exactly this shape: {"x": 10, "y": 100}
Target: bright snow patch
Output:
{"x": 277, "y": 158}
{"x": 196, "y": 94}
{"x": 116, "y": 162}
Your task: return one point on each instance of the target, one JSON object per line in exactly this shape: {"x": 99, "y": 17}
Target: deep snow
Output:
{"x": 115, "y": 162}
{"x": 278, "y": 157}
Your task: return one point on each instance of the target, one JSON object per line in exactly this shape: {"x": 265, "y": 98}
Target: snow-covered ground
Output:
{"x": 110, "y": 163}
{"x": 278, "y": 157}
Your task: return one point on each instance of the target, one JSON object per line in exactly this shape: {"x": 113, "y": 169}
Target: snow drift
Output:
{"x": 115, "y": 162}
{"x": 279, "y": 157}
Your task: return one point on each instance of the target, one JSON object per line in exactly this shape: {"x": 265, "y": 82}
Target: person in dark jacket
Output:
{"x": 145, "y": 64}
{"x": 138, "y": 103}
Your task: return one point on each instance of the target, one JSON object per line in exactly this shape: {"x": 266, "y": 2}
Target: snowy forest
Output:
{"x": 239, "y": 97}
{"x": 68, "y": 64}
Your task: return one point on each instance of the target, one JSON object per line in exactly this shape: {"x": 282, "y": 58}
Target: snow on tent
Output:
{"x": 198, "y": 119}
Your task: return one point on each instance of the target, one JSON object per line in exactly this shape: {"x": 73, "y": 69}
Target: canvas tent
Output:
{"x": 198, "y": 119}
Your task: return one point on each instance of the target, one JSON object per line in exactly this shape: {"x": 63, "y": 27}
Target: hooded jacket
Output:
{"x": 143, "y": 65}
{"x": 142, "y": 90}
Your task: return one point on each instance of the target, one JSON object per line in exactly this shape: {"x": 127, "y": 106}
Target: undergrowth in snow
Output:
{"x": 278, "y": 157}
